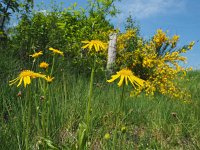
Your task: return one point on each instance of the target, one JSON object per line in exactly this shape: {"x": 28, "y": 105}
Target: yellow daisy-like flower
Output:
{"x": 96, "y": 44}
{"x": 44, "y": 65}
{"x": 26, "y": 76}
{"x": 56, "y": 51}
{"x": 126, "y": 74}
{"x": 36, "y": 55}
{"x": 49, "y": 79}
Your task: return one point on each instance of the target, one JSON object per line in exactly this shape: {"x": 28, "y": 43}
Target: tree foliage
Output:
{"x": 65, "y": 29}
{"x": 9, "y": 7}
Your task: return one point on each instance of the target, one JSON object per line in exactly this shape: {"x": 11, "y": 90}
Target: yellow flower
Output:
{"x": 43, "y": 65}
{"x": 123, "y": 38}
{"x": 174, "y": 40}
{"x": 96, "y": 44}
{"x": 160, "y": 37}
{"x": 49, "y": 79}
{"x": 126, "y": 74}
{"x": 183, "y": 50}
{"x": 56, "y": 51}
{"x": 36, "y": 55}
{"x": 107, "y": 136}
{"x": 190, "y": 46}
{"x": 26, "y": 76}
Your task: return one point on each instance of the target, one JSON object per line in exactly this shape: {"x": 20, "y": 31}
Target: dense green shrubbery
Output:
{"x": 64, "y": 30}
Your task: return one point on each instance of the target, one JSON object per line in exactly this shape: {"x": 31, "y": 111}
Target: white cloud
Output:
{"x": 146, "y": 8}
{"x": 43, "y": 11}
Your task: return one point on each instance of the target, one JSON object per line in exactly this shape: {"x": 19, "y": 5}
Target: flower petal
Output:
{"x": 20, "y": 82}
{"x": 130, "y": 79}
{"x": 121, "y": 80}
{"x": 126, "y": 81}
{"x": 85, "y": 42}
{"x": 114, "y": 77}
{"x": 85, "y": 46}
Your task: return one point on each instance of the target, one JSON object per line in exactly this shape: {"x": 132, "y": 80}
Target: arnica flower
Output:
{"x": 36, "y": 55}
{"x": 49, "y": 79}
{"x": 44, "y": 65}
{"x": 56, "y": 51}
{"x": 96, "y": 44}
{"x": 126, "y": 74}
{"x": 26, "y": 76}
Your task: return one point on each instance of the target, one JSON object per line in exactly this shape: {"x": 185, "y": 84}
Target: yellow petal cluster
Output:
{"x": 44, "y": 65}
{"x": 123, "y": 38}
{"x": 174, "y": 40}
{"x": 127, "y": 75}
{"x": 37, "y": 54}
{"x": 97, "y": 45}
{"x": 56, "y": 51}
{"x": 159, "y": 38}
{"x": 26, "y": 76}
{"x": 49, "y": 79}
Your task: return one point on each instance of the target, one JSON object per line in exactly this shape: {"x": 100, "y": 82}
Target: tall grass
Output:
{"x": 50, "y": 119}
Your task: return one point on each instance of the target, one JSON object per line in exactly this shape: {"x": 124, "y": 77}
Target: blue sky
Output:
{"x": 180, "y": 17}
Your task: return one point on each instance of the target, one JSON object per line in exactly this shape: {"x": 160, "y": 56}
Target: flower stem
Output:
{"x": 88, "y": 116}
{"x": 121, "y": 106}
{"x": 117, "y": 122}
{"x": 53, "y": 62}
{"x": 28, "y": 121}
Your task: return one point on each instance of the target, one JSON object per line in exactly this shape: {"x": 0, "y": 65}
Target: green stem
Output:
{"x": 115, "y": 137}
{"x": 33, "y": 64}
{"x": 53, "y": 62}
{"x": 48, "y": 100}
{"x": 28, "y": 120}
{"x": 88, "y": 116}
{"x": 89, "y": 99}
{"x": 37, "y": 107}
{"x": 117, "y": 124}
{"x": 44, "y": 110}
{"x": 121, "y": 106}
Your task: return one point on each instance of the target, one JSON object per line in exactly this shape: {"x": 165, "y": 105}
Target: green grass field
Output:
{"x": 51, "y": 118}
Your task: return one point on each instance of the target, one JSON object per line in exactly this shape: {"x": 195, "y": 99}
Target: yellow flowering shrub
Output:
{"x": 127, "y": 43}
{"x": 123, "y": 39}
{"x": 157, "y": 62}
{"x": 159, "y": 38}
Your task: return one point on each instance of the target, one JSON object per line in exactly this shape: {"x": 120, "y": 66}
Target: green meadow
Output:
{"x": 34, "y": 121}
